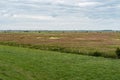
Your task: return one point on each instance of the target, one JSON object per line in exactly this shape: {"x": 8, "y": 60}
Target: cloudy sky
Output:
{"x": 60, "y": 14}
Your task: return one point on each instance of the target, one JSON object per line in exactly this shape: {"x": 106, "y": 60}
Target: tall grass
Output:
{"x": 60, "y": 49}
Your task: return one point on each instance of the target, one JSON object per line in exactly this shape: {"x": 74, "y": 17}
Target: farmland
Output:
{"x": 31, "y": 64}
{"x": 70, "y": 42}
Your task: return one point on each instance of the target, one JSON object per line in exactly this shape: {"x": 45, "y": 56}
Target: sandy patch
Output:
{"x": 38, "y": 37}
{"x": 54, "y": 38}
{"x": 117, "y": 39}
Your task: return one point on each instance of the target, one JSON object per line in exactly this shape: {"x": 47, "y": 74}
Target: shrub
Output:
{"x": 97, "y": 54}
{"x": 118, "y": 52}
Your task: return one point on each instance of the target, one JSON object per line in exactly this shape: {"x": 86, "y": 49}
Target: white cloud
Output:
{"x": 37, "y": 17}
{"x": 88, "y": 4}
{"x": 59, "y": 1}
{"x": 61, "y": 14}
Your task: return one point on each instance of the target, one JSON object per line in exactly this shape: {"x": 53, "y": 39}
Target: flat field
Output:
{"x": 70, "y": 42}
{"x": 31, "y": 64}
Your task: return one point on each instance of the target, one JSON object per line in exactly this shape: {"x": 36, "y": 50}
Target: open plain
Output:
{"x": 72, "y": 42}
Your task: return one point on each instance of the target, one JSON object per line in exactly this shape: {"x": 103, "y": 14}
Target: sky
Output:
{"x": 59, "y": 14}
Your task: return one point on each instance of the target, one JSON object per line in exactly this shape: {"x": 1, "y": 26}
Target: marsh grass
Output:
{"x": 85, "y": 43}
{"x": 61, "y": 49}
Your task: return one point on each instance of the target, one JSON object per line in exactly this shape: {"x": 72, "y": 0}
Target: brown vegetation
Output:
{"x": 87, "y": 42}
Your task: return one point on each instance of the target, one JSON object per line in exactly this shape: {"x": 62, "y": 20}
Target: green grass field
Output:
{"x": 30, "y": 64}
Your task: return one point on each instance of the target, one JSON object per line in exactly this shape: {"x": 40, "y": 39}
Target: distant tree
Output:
{"x": 39, "y": 31}
{"x": 26, "y": 31}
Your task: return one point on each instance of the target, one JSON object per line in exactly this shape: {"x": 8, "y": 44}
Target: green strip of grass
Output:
{"x": 30, "y": 64}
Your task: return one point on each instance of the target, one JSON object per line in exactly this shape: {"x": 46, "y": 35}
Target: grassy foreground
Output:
{"x": 29, "y": 64}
